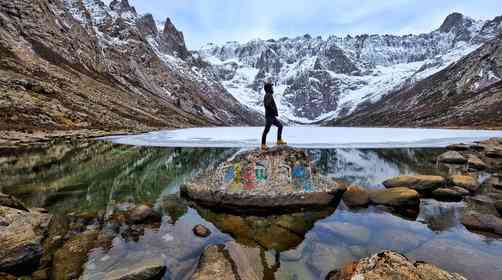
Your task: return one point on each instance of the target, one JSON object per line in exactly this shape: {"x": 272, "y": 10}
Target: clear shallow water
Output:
{"x": 93, "y": 176}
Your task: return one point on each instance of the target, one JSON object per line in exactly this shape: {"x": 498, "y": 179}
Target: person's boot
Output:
{"x": 264, "y": 147}
{"x": 281, "y": 142}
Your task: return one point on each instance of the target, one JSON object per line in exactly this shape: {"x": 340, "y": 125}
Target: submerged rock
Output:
{"x": 143, "y": 214}
{"x": 214, "y": 264}
{"x": 466, "y": 182}
{"x": 279, "y": 179}
{"x": 201, "y": 231}
{"x": 356, "y": 196}
{"x": 417, "y": 182}
{"x": 69, "y": 260}
{"x": 12, "y": 202}
{"x": 148, "y": 269}
{"x": 398, "y": 197}
{"x": 452, "y": 157}
{"x": 389, "y": 265}
{"x": 482, "y": 222}
{"x": 21, "y": 234}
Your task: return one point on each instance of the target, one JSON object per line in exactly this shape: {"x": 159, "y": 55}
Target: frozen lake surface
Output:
{"x": 307, "y": 137}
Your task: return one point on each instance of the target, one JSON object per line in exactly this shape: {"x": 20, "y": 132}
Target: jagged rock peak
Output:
{"x": 122, "y": 6}
{"x": 173, "y": 39}
{"x": 146, "y": 25}
{"x": 453, "y": 21}
{"x": 169, "y": 28}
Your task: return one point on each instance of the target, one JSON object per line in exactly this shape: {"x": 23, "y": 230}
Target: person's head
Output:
{"x": 268, "y": 80}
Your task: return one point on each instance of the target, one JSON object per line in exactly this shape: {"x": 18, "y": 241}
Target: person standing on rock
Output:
{"x": 271, "y": 115}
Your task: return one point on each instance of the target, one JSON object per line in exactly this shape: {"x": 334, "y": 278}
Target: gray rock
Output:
{"x": 482, "y": 222}
{"x": 452, "y": 157}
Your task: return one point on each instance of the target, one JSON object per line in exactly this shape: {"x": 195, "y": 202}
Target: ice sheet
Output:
{"x": 306, "y": 137}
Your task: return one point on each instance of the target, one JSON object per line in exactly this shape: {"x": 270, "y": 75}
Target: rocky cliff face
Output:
{"x": 318, "y": 79}
{"x": 465, "y": 94}
{"x": 75, "y": 64}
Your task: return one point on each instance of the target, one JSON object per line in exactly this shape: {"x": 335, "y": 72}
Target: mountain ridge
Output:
{"x": 321, "y": 79}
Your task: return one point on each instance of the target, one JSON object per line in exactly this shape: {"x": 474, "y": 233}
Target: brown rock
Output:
{"x": 214, "y": 264}
{"x": 143, "y": 214}
{"x": 447, "y": 194}
{"x": 5, "y": 276}
{"x": 12, "y": 202}
{"x": 20, "y": 238}
{"x": 68, "y": 261}
{"x": 395, "y": 197}
{"x": 201, "y": 231}
{"x": 417, "y": 182}
{"x": 475, "y": 162}
{"x": 452, "y": 157}
{"x": 466, "y": 182}
{"x": 356, "y": 196}
{"x": 389, "y": 265}
{"x": 495, "y": 154}
{"x": 42, "y": 274}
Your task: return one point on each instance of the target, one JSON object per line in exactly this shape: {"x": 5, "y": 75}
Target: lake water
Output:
{"x": 97, "y": 175}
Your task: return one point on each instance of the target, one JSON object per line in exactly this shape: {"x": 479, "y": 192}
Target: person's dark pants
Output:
{"x": 271, "y": 120}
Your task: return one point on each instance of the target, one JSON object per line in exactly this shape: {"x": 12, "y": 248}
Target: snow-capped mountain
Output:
{"x": 92, "y": 64}
{"x": 318, "y": 80}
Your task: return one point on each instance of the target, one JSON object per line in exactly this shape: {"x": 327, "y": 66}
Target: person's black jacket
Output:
{"x": 269, "y": 102}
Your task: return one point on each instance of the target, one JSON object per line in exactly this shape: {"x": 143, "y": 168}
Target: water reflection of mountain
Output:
{"x": 91, "y": 175}
{"x": 369, "y": 167}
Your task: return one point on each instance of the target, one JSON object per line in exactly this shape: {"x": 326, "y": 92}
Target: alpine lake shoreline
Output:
{"x": 39, "y": 243}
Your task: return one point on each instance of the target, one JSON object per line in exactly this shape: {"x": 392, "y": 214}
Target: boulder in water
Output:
{"x": 416, "y": 182}
{"x": 356, "y": 196}
{"x": 397, "y": 197}
{"x": 452, "y": 157}
{"x": 466, "y": 182}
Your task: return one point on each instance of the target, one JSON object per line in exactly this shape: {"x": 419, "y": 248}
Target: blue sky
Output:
{"x": 218, "y": 21}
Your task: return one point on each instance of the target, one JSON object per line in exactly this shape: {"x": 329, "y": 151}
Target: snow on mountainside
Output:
{"x": 317, "y": 80}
